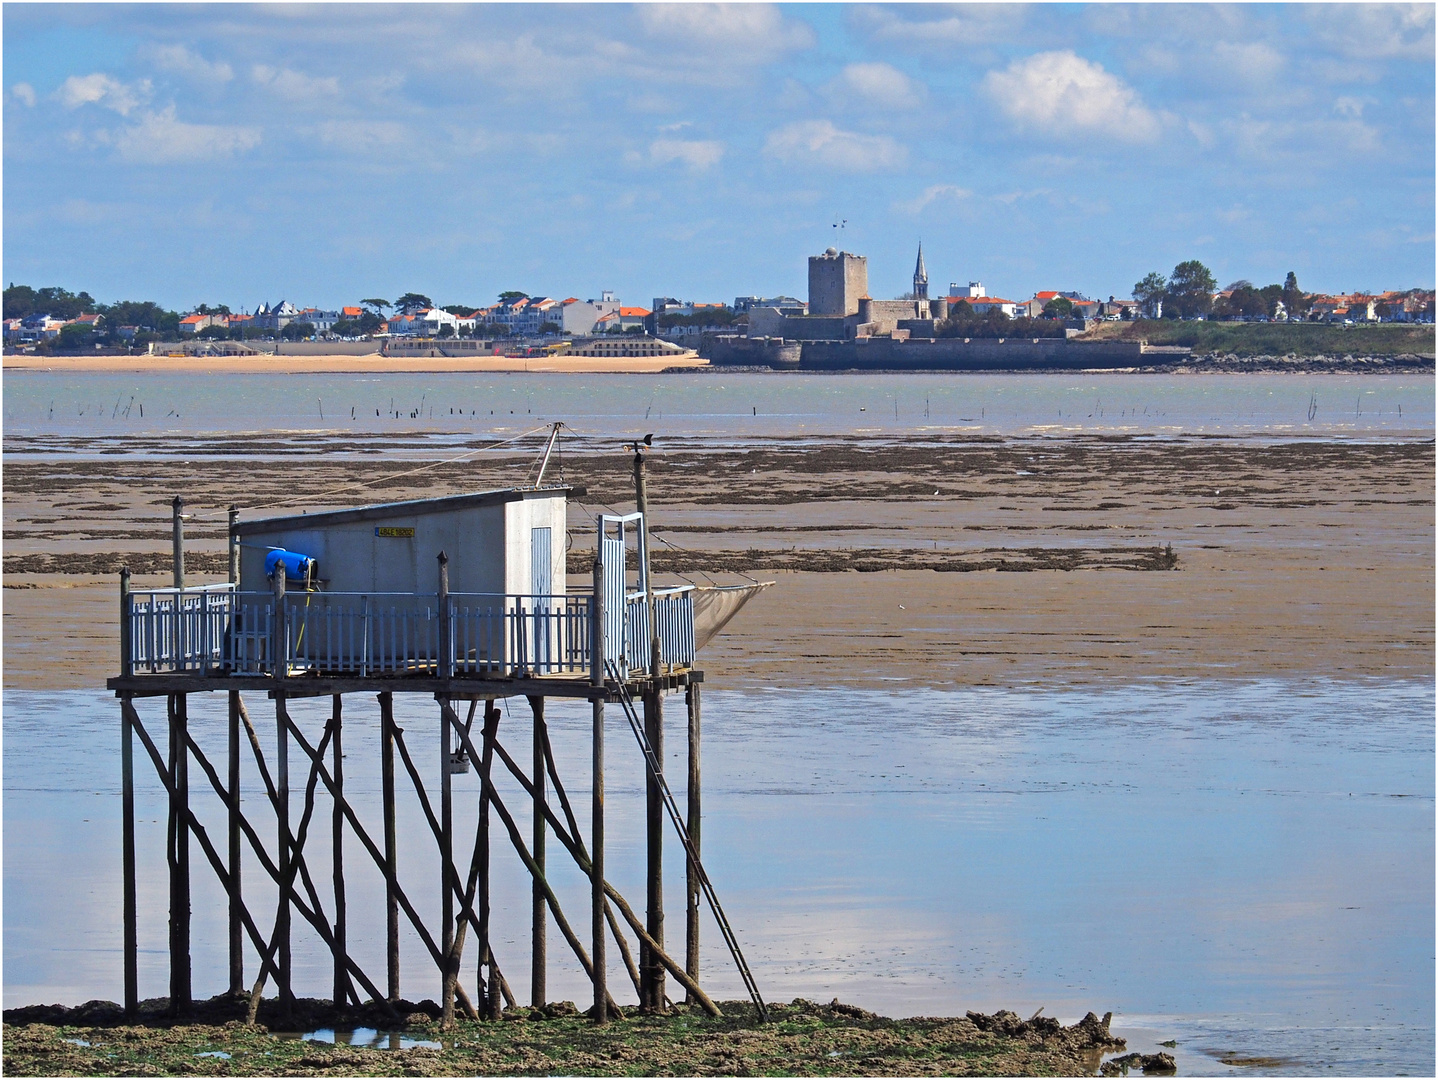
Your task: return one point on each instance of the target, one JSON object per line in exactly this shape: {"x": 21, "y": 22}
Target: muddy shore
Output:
{"x": 935, "y": 561}
{"x": 800, "y": 1039}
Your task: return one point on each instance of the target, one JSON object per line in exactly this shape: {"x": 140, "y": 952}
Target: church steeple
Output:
{"x": 921, "y": 277}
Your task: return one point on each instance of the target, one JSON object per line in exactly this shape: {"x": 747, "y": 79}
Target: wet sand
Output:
{"x": 934, "y": 561}
{"x": 371, "y": 363}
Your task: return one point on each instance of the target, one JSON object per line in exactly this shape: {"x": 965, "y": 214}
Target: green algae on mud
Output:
{"x": 800, "y": 1039}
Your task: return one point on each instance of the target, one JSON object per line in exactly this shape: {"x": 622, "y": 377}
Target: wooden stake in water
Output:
{"x": 538, "y": 917}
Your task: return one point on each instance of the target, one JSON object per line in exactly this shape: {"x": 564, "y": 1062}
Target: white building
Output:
{"x": 581, "y": 317}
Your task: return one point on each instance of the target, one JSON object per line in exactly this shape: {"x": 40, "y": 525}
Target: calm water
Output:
{"x": 1246, "y": 868}
{"x": 720, "y": 406}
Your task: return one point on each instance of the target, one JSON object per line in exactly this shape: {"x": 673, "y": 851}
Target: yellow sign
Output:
{"x": 394, "y": 530}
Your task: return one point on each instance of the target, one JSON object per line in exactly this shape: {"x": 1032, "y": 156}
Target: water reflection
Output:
{"x": 367, "y": 1037}
{"x": 1246, "y": 869}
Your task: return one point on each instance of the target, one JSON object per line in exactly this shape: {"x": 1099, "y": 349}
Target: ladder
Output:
{"x": 656, "y": 770}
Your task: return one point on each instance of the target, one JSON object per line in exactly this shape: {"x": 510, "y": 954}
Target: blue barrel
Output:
{"x": 297, "y": 567}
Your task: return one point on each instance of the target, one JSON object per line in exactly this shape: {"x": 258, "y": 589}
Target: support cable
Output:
{"x": 656, "y": 770}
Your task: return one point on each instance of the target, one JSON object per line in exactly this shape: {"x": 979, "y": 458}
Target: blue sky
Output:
{"x": 325, "y": 153}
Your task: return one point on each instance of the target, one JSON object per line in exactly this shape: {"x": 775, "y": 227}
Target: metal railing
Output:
{"x": 218, "y": 630}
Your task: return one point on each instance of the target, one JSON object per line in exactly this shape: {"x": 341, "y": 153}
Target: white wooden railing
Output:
{"x": 218, "y": 630}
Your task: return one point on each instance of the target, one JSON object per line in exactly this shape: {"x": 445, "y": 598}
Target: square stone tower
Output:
{"x": 836, "y": 281}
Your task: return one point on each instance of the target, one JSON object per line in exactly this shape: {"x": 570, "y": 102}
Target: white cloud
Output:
{"x": 23, "y": 93}
{"x": 879, "y": 85}
{"x": 1252, "y": 61}
{"x": 1352, "y": 107}
{"x": 695, "y": 154}
{"x": 819, "y": 142}
{"x": 940, "y": 193}
{"x": 363, "y": 136}
{"x": 294, "y": 85}
{"x": 1376, "y": 31}
{"x": 749, "y": 32}
{"x": 181, "y": 61}
{"x": 1060, "y": 93}
{"x": 102, "y": 89}
{"x": 944, "y": 25}
{"x": 160, "y": 139}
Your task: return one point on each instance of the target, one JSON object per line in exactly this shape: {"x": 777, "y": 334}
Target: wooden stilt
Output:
{"x": 446, "y": 856}
{"x": 267, "y": 963}
{"x": 651, "y": 971}
{"x": 391, "y": 852}
{"x": 180, "y": 997}
{"x": 539, "y": 960}
{"x": 582, "y": 860}
{"x": 237, "y": 933}
{"x": 494, "y": 1008}
{"x": 286, "y": 851}
{"x": 596, "y": 828}
{"x": 127, "y": 828}
{"x": 338, "y": 861}
{"x": 691, "y": 883}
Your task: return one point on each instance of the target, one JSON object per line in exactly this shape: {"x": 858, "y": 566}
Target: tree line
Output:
{"x": 1189, "y": 291}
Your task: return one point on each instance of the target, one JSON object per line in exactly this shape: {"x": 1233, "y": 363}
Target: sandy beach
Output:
{"x": 372, "y": 363}
{"x": 937, "y": 562}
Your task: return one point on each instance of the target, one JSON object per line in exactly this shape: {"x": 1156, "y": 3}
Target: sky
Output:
{"x": 328, "y": 153}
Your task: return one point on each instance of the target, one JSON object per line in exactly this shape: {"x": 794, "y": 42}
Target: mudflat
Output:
{"x": 929, "y": 561}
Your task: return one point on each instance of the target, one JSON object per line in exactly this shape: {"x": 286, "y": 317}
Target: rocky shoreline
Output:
{"x": 802, "y": 1038}
{"x": 1294, "y": 364}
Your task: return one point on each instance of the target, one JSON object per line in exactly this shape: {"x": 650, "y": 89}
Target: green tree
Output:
{"x": 1149, "y": 292}
{"x": 75, "y": 335}
{"x": 413, "y": 300}
{"x": 548, "y": 328}
{"x": 296, "y": 330}
{"x": 1294, "y": 298}
{"x": 1060, "y": 307}
{"x": 462, "y": 311}
{"x": 19, "y": 301}
{"x": 1190, "y": 289}
{"x": 511, "y": 294}
{"x": 446, "y": 331}
{"x": 218, "y": 309}
{"x": 214, "y": 332}
{"x": 377, "y": 305}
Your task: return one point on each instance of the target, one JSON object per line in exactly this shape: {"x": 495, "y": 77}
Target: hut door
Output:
{"x": 620, "y": 631}
{"x": 541, "y": 585}
{"x": 541, "y": 563}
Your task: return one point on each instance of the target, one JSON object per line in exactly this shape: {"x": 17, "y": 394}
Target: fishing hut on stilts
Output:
{"x": 463, "y": 600}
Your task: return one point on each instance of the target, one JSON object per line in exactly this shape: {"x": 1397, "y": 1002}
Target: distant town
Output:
{"x": 838, "y": 309}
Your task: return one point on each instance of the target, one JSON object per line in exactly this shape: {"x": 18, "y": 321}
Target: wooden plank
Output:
{"x": 458, "y": 688}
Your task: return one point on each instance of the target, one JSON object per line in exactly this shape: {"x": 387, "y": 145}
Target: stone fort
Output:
{"x": 841, "y": 309}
